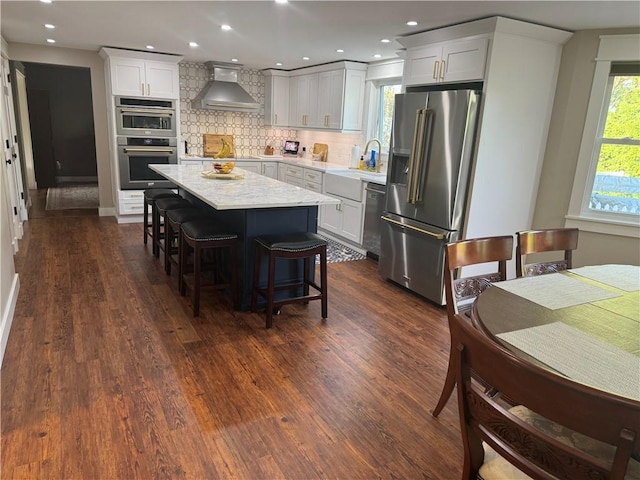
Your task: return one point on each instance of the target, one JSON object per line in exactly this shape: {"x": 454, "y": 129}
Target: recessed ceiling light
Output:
{"x": 340, "y": 50}
{"x": 282, "y": 1}
{"x": 193, "y": 44}
{"x": 234, "y": 60}
{"x": 46, "y": 1}
{"x": 225, "y": 27}
{"x": 377, "y": 55}
{"x": 48, "y": 25}
{"x": 150, "y": 47}
{"x": 50, "y": 40}
{"x": 412, "y": 23}
{"x": 385, "y": 40}
{"x": 305, "y": 58}
{"x": 278, "y": 64}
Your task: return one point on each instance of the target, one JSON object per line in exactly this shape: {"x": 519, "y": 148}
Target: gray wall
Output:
{"x": 563, "y": 145}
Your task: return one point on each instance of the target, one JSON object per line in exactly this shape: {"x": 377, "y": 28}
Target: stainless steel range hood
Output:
{"x": 222, "y": 91}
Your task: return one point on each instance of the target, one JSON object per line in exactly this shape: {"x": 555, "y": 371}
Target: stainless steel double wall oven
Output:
{"x": 146, "y": 134}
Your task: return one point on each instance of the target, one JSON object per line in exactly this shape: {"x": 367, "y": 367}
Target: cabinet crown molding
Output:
{"x": 106, "y": 52}
{"x": 485, "y": 27}
{"x": 325, "y": 67}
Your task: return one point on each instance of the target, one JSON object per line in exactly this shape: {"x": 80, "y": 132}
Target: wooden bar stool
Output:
{"x": 150, "y": 195}
{"x": 201, "y": 236}
{"x": 161, "y": 206}
{"x": 173, "y": 235}
{"x": 294, "y": 246}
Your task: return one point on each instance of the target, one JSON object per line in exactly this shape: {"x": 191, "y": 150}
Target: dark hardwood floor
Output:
{"x": 107, "y": 375}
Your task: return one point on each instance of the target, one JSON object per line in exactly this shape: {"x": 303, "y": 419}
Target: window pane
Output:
{"x": 616, "y": 187}
{"x": 387, "y": 97}
{"x": 623, "y": 118}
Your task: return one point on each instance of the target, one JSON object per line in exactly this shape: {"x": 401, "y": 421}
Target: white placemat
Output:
{"x": 580, "y": 357}
{"x": 555, "y": 290}
{"x": 624, "y": 277}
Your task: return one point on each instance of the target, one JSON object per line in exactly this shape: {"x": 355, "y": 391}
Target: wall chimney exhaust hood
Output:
{"x": 222, "y": 91}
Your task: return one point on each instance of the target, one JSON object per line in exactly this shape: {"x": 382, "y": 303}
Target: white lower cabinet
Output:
{"x": 270, "y": 169}
{"x": 130, "y": 202}
{"x": 344, "y": 219}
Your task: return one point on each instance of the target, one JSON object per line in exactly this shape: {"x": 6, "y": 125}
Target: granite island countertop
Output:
{"x": 252, "y": 191}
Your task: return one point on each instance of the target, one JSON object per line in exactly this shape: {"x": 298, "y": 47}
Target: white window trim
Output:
{"x": 612, "y": 48}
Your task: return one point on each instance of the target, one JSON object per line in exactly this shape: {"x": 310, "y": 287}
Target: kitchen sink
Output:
{"x": 379, "y": 177}
{"x": 347, "y": 186}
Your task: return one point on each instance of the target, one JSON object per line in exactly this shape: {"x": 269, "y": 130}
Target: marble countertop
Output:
{"x": 252, "y": 191}
{"x": 325, "y": 167}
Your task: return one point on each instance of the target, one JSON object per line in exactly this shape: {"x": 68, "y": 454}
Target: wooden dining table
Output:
{"x": 582, "y": 323}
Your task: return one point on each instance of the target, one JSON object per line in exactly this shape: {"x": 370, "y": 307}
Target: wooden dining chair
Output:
{"x": 460, "y": 292}
{"x": 558, "y": 429}
{"x": 548, "y": 240}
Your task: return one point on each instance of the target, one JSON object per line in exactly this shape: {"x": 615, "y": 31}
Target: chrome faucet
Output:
{"x": 366, "y": 149}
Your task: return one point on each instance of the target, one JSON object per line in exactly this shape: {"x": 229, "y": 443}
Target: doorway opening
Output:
{"x": 63, "y": 138}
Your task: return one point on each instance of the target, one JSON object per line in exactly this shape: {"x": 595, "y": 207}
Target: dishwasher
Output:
{"x": 373, "y": 210}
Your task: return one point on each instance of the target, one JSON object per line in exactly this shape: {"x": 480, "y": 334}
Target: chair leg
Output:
{"x": 271, "y": 288}
{"x": 235, "y": 286}
{"x": 155, "y": 228}
{"x": 196, "y": 281}
{"x": 146, "y": 221}
{"x": 323, "y": 282}
{"x": 183, "y": 265}
{"x": 168, "y": 241}
{"x": 256, "y": 279}
{"x": 181, "y": 259}
{"x": 449, "y": 384}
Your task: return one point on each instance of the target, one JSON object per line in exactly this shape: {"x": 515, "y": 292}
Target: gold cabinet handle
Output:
{"x": 442, "y": 70}
{"x": 439, "y": 236}
{"x": 142, "y": 88}
{"x": 148, "y": 89}
{"x": 436, "y": 69}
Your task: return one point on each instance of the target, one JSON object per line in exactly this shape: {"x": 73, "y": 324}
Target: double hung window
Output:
{"x": 606, "y": 191}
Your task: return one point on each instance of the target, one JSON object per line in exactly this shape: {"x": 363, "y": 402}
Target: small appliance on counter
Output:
{"x": 291, "y": 148}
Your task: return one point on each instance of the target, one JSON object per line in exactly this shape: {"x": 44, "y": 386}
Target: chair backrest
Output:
{"x": 588, "y": 412}
{"x": 472, "y": 252}
{"x": 548, "y": 240}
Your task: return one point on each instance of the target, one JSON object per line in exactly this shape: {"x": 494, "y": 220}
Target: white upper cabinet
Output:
{"x": 304, "y": 101}
{"x": 149, "y": 76}
{"x": 327, "y": 97}
{"x": 276, "y": 103}
{"x": 454, "y": 61}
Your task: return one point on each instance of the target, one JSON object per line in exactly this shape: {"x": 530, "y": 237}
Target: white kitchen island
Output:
{"x": 251, "y": 206}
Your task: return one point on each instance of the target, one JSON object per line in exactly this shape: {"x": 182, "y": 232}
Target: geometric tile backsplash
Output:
{"x": 250, "y": 136}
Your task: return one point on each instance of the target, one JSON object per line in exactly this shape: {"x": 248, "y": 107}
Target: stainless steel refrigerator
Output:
{"x": 430, "y": 163}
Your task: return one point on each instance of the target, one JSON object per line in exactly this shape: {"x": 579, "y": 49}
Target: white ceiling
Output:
{"x": 264, "y": 32}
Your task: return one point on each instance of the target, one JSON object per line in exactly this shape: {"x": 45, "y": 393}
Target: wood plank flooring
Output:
{"x": 107, "y": 375}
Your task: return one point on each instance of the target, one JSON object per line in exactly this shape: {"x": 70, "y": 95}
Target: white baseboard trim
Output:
{"x": 7, "y": 315}
{"x": 130, "y": 218}
{"x": 107, "y": 212}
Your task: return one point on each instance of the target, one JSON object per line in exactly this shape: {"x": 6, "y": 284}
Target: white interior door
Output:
{"x": 14, "y": 187}
{"x": 25, "y": 128}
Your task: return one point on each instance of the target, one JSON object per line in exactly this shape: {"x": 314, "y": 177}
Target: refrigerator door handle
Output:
{"x": 416, "y": 153}
{"x": 423, "y": 161}
{"x": 439, "y": 236}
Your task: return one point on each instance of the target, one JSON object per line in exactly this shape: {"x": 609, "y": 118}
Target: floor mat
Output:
{"x": 337, "y": 252}
{"x": 66, "y": 198}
